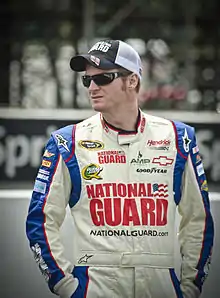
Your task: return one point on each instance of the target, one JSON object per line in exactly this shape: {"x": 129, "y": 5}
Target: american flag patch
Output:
{"x": 195, "y": 149}
{"x": 160, "y": 190}
{"x": 94, "y": 59}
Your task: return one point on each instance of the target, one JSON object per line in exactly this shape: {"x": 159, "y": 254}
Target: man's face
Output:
{"x": 109, "y": 97}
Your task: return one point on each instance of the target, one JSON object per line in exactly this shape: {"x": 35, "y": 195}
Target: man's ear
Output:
{"x": 133, "y": 81}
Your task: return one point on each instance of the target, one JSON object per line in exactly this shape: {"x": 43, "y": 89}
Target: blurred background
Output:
{"x": 179, "y": 43}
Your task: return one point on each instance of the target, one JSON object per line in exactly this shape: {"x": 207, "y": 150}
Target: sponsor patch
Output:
{"x": 204, "y": 186}
{"x": 158, "y": 143}
{"x": 128, "y": 233}
{"x": 163, "y": 161}
{"x": 186, "y": 141}
{"x": 152, "y": 171}
{"x": 91, "y": 145}
{"x": 143, "y": 204}
{"x": 42, "y": 176}
{"x": 95, "y": 60}
{"x": 198, "y": 158}
{"x": 200, "y": 169}
{"x": 140, "y": 160}
{"x": 48, "y": 154}
{"x": 44, "y": 172}
{"x": 207, "y": 267}
{"x": 46, "y": 163}
{"x": 92, "y": 171}
{"x": 62, "y": 142}
{"x": 165, "y": 148}
{"x": 40, "y": 186}
{"x": 195, "y": 149}
{"x": 111, "y": 156}
{"x": 40, "y": 261}
{"x": 101, "y": 46}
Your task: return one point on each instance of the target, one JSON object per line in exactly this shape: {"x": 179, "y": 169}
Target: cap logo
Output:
{"x": 95, "y": 60}
{"x": 101, "y": 46}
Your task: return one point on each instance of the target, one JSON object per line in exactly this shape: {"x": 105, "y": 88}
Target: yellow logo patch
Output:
{"x": 46, "y": 163}
{"x": 91, "y": 171}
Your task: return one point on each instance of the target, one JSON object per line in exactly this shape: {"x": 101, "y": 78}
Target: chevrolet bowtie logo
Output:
{"x": 163, "y": 160}
{"x": 84, "y": 259}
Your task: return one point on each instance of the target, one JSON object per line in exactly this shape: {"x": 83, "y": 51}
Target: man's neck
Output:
{"x": 123, "y": 121}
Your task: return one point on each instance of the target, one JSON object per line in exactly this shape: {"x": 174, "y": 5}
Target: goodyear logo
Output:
{"x": 91, "y": 171}
{"x": 91, "y": 145}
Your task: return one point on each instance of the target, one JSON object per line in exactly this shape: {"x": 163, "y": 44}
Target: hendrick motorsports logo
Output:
{"x": 91, "y": 171}
{"x": 91, "y": 145}
{"x": 158, "y": 144}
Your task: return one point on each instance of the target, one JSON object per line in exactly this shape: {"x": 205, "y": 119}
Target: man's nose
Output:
{"x": 93, "y": 86}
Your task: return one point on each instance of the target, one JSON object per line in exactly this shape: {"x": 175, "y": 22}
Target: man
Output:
{"x": 123, "y": 174}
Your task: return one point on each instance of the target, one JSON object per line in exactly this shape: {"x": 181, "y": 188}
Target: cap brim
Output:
{"x": 80, "y": 62}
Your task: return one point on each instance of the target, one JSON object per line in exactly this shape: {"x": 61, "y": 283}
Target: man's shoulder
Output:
{"x": 68, "y": 129}
{"x": 89, "y": 123}
{"x": 182, "y": 126}
{"x": 64, "y": 131}
{"x": 156, "y": 120}
{"x": 179, "y": 125}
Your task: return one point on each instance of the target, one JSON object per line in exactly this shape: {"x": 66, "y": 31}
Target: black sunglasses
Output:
{"x": 102, "y": 78}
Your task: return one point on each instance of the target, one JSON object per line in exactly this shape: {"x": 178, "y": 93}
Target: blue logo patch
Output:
{"x": 40, "y": 186}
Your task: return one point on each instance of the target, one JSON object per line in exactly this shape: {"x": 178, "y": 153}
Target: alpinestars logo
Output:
{"x": 84, "y": 259}
{"x": 62, "y": 142}
{"x": 186, "y": 141}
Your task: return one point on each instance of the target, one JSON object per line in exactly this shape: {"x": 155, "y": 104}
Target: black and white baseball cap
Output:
{"x": 108, "y": 54}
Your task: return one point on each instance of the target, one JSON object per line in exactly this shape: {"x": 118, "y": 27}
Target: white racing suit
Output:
{"x": 123, "y": 190}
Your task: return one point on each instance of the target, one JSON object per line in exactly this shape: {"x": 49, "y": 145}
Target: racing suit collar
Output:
{"x": 124, "y": 137}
